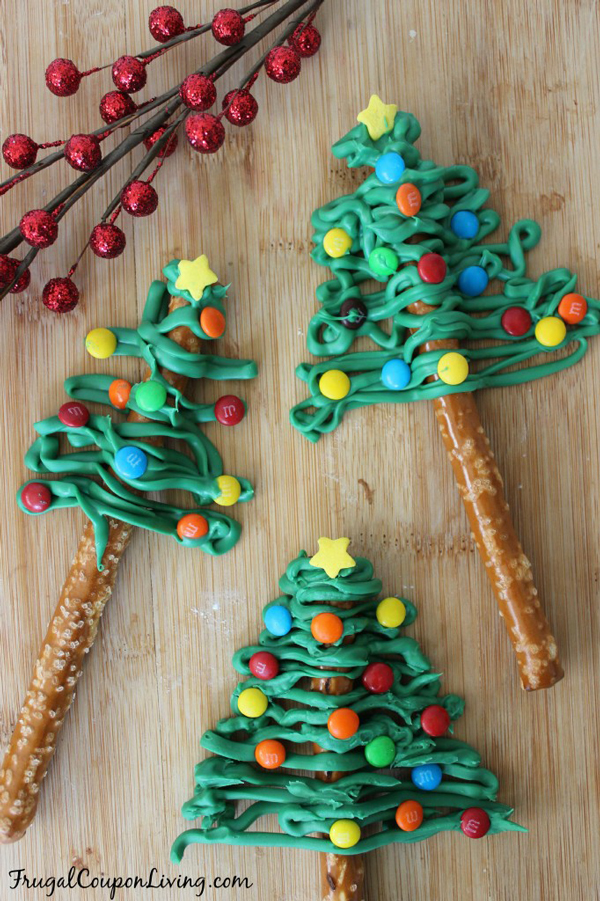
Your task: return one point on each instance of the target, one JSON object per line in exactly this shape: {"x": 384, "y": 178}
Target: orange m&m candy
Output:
{"x": 409, "y": 816}
{"x": 118, "y": 393}
{"x": 270, "y": 753}
{"x": 343, "y": 723}
{"x": 408, "y": 198}
{"x": 572, "y": 308}
{"x": 192, "y": 525}
{"x": 212, "y": 322}
{"x": 326, "y": 628}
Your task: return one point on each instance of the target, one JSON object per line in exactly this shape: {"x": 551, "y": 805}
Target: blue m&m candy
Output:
{"x": 426, "y": 777}
{"x": 395, "y": 375}
{"x": 130, "y": 462}
{"x": 473, "y": 281}
{"x": 389, "y": 168}
{"x": 464, "y": 224}
{"x": 278, "y": 619}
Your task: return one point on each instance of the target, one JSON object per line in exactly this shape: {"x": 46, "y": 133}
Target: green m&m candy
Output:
{"x": 383, "y": 262}
{"x": 150, "y": 396}
{"x": 380, "y": 751}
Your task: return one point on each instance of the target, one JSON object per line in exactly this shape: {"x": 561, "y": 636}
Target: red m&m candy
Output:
{"x": 73, "y": 414}
{"x": 264, "y": 665}
{"x": 36, "y": 497}
{"x": 378, "y": 677}
{"x": 474, "y": 822}
{"x": 432, "y": 268}
{"x": 516, "y": 321}
{"x": 435, "y": 720}
{"x": 229, "y": 410}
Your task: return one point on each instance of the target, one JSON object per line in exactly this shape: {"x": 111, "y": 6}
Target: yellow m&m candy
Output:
{"x": 101, "y": 343}
{"x": 453, "y": 368}
{"x": 230, "y": 491}
{"x": 337, "y": 242}
{"x": 334, "y": 384}
{"x": 550, "y": 331}
{"x": 252, "y": 702}
{"x": 344, "y": 833}
{"x": 390, "y": 613}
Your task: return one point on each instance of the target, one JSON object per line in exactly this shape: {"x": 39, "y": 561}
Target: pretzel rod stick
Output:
{"x": 70, "y": 636}
{"x": 342, "y": 876}
{"x": 481, "y": 488}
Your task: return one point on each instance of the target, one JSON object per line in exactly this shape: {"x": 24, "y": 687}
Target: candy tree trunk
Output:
{"x": 69, "y": 638}
{"x": 342, "y": 876}
{"x": 482, "y": 491}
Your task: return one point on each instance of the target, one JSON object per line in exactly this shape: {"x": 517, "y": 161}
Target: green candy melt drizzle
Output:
{"x": 88, "y": 475}
{"x": 372, "y": 219}
{"x": 304, "y": 805}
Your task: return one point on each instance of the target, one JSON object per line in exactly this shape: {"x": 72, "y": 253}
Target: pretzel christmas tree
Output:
{"x": 387, "y": 771}
{"x": 115, "y": 463}
{"x": 419, "y": 230}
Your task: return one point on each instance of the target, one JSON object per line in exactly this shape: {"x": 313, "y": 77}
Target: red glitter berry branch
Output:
{"x": 187, "y": 104}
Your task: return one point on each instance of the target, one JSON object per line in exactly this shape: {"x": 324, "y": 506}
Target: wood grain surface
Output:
{"x": 512, "y": 89}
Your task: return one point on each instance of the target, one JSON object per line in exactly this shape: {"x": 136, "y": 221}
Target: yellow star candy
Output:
{"x": 378, "y": 117}
{"x": 332, "y": 556}
{"x": 195, "y": 276}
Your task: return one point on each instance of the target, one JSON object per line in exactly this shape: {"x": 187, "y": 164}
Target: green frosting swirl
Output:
{"x": 88, "y": 474}
{"x": 304, "y": 805}
{"x": 372, "y": 219}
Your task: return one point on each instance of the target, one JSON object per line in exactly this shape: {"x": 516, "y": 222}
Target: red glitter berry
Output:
{"x": 107, "y": 241}
{"x": 283, "y": 64}
{"x": 228, "y": 27}
{"x": 165, "y": 22}
{"x": 60, "y": 295}
{"x": 22, "y": 283}
{"x": 205, "y": 132}
{"x": 19, "y": 151}
{"x": 8, "y": 270}
{"x": 305, "y": 40}
{"x": 169, "y": 148}
{"x": 82, "y": 152}
{"x": 63, "y": 77}
{"x": 240, "y": 107}
{"x": 39, "y": 228}
{"x": 129, "y": 74}
{"x": 139, "y": 198}
{"x": 115, "y": 105}
{"x": 198, "y": 92}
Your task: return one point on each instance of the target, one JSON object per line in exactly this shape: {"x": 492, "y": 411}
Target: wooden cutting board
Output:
{"x": 513, "y": 91}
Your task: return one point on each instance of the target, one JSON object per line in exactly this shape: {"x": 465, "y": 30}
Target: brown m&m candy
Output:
{"x": 353, "y": 313}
